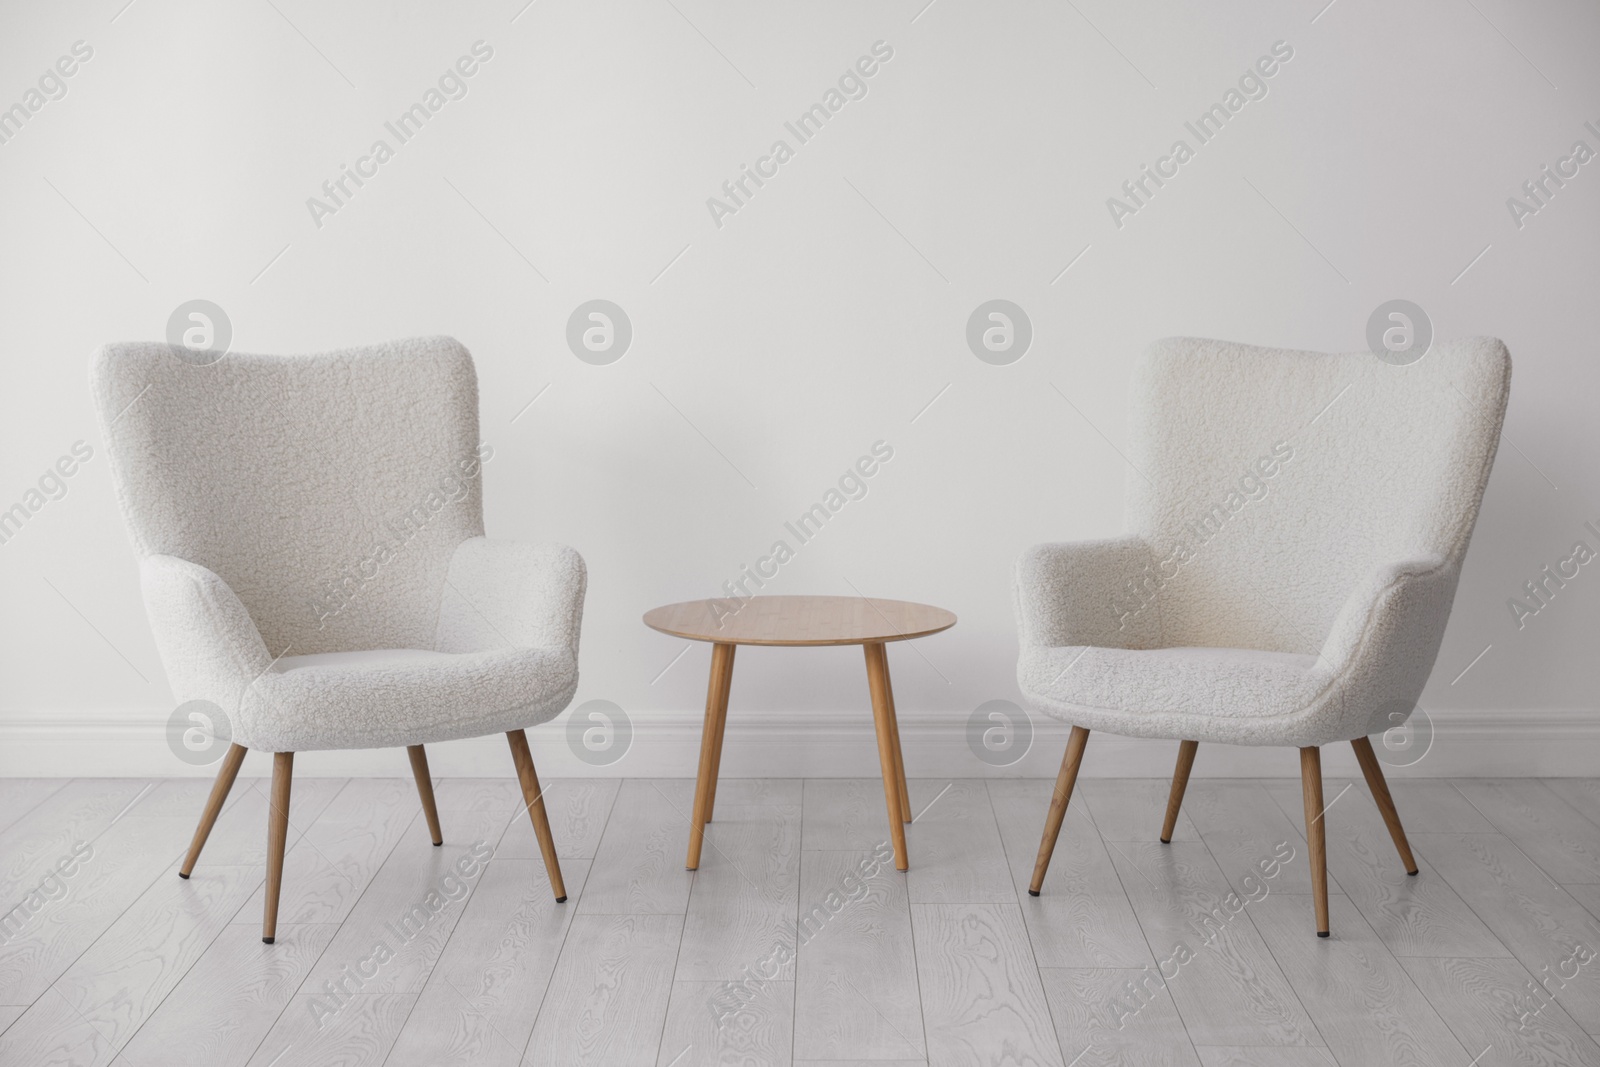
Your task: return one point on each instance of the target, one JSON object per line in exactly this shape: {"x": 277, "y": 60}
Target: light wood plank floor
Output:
{"x": 797, "y": 943}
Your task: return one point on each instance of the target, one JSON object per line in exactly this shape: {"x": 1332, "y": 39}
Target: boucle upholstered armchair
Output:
{"x": 1298, "y": 524}
{"x": 310, "y": 540}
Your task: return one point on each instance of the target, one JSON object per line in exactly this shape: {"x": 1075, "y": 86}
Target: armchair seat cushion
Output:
{"x": 390, "y": 697}
{"x": 1232, "y": 695}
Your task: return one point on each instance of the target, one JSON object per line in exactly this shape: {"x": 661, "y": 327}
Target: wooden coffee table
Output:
{"x": 800, "y": 620}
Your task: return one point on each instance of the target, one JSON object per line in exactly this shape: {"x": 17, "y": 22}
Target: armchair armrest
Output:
{"x": 1384, "y": 641}
{"x": 1098, "y": 593}
{"x": 519, "y": 593}
{"x": 208, "y": 643}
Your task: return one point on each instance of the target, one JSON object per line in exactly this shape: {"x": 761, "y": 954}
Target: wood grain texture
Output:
{"x": 218, "y": 798}
{"x": 608, "y": 1003}
{"x": 9, "y": 1013}
{"x": 1180, "y": 785}
{"x": 1413, "y": 916}
{"x": 800, "y": 620}
{"x": 1232, "y": 992}
{"x": 1117, "y": 1016}
{"x": 983, "y": 1001}
{"x": 1494, "y": 1005}
{"x": 117, "y": 984}
{"x": 74, "y": 909}
{"x": 717, "y": 690}
{"x": 411, "y": 906}
{"x": 761, "y": 1031}
{"x": 229, "y": 1000}
{"x": 533, "y": 808}
{"x": 1130, "y": 809}
{"x": 1378, "y": 788}
{"x": 360, "y": 1035}
{"x": 1564, "y": 844}
{"x": 888, "y": 745}
{"x": 1365, "y": 1005}
{"x": 76, "y": 813}
{"x": 430, "y": 808}
{"x": 1085, "y": 919}
{"x": 19, "y": 796}
{"x": 1056, "y": 812}
{"x": 1531, "y": 915}
{"x": 1316, "y": 833}
{"x": 638, "y": 868}
{"x": 1581, "y": 794}
{"x": 239, "y": 838}
{"x": 856, "y": 990}
{"x": 1264, "y": 1056}
{"x": 481, "y": 998}
{"x": 959, "y": 858}
{"x": 843, "y": 814}
{"x": 746, "y": 892}
{"x": 1240, "y": 824}
{"x": 577, "y": 808}
{"x": 336, "y": 855}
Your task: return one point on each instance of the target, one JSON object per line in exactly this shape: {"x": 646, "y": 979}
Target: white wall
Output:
{"x": 822, "y": 317}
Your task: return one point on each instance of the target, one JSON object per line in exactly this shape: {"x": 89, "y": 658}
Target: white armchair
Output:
{"x": 310, "y": 535}
{"x": 1299, "y": 525}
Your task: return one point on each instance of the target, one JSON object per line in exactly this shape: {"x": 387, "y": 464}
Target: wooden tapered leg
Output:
{"x": 883, "y": 717}
{"x": 1316, "y": 836}
{"x": 419, "y": 771}
{"x": 1385, "y": 802}
{"x": 533, "y": 800}
{"x": 1058, "y": 805}
{"x": 726, "y": 682}
{"x": 894, "y": 732}
{"x": 1180, "y": 782}
{"x": 716, "y": 713}
{"x": 277, "y": 838}
{"x": 219, "y": 795}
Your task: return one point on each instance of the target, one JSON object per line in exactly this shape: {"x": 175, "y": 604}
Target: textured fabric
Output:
{"x": 327, "y": 491}
{"x": 1313, "y": 507}
{"x": 312, "y": 559}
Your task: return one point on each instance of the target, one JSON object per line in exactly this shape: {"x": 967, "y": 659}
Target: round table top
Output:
{"x": 799, "y": 620}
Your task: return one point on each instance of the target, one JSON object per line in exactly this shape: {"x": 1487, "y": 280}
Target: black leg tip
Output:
{"x": 1166, "y": 840}
{"x": 561, "y": 900}
{"x": 1033, "y": 892}
{"x": 436, "y": 844}
{"x": 1412, "y": 873}
{"x": 1322, "y": 933}
{"x": 266, "y": 940}
{"x": 185, "y": 876}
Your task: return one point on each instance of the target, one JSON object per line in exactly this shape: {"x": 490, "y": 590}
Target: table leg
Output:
{"x": 722, "y": 726}
{"x": 710, "y": 735}
{"x": 883, "y": 715}
{"x": 894, "y": 732}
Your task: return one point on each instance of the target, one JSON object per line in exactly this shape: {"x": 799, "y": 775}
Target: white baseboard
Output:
{"x": 1541, "y": 743}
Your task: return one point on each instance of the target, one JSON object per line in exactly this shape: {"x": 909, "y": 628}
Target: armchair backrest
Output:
{"x": 328, "y": 491}
{"x": 1270, "y": 484}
